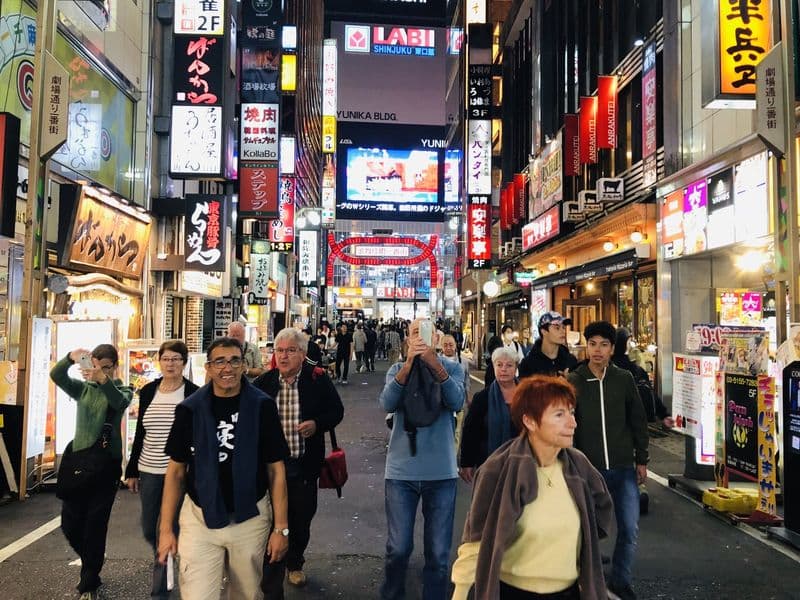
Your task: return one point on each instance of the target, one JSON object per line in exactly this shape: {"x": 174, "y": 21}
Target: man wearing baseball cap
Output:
{"x": 549, "y": 355}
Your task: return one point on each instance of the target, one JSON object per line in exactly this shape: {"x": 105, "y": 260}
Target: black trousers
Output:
{"x": 302, "y": 508}
{"x": 342, "y": 365}
{"x": 508, "y": 592}
{"x": 84, "y": 522}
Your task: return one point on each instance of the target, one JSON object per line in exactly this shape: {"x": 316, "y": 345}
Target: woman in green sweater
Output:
{"x": 84, "y": 518}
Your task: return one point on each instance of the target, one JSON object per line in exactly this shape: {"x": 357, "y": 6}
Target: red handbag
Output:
{"x": 334, "y": 469}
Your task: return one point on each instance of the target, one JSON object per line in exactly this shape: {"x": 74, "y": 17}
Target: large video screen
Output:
{"x": 386, "y": 175}
{"x": 391, "y": 172}
{"x": 452, "y": 180}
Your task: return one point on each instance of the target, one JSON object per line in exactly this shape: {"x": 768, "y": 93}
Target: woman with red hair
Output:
{"x": 538, "y": 510}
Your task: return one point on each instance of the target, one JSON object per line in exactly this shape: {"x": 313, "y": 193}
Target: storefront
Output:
{"x": 716, "y": 272}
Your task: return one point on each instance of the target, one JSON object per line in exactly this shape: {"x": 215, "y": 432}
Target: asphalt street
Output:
{"x": 685, "y": 552}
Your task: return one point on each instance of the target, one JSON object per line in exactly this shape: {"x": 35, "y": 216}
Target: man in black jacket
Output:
{"x": 549, "y": 355}
{"x": 308, "y": 406}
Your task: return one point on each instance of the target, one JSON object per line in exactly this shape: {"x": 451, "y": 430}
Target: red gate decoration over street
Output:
{"x": 337, "y": 251}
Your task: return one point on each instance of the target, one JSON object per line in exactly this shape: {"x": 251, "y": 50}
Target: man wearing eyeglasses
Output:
{"x": 308, "y": 405}
{"x": 226, "y": 449}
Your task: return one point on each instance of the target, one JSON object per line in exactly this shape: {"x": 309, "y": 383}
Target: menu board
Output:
{"x": 693, "y": 399}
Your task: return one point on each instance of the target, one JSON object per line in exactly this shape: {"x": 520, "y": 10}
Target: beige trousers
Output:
{"x": 201, "y": 554}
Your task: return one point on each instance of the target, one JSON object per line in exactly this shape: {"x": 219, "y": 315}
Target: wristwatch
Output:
{"x": 284, "y": 532}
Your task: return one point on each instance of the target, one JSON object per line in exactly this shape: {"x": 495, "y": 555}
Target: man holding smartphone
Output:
{"x": 424, "y": 469}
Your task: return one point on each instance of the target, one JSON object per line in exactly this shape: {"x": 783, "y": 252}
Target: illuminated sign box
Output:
{"x": 259, "y": 140}
{"x": 736, "y": 36}
{"x": 195, "y": 147}
{"x": 194, "y": 17}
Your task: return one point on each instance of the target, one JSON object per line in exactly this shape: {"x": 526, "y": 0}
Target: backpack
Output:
{"x": 422, "y": 401}
{"x": 648, "y": 397}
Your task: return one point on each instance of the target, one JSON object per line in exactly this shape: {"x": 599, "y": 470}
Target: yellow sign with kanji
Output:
{"x": 744, "y": 39}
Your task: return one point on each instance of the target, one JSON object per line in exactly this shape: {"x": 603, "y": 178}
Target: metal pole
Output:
{"x": 34, "y": 260}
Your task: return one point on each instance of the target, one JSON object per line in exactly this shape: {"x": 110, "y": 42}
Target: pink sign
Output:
{"x": 751, "y": 302}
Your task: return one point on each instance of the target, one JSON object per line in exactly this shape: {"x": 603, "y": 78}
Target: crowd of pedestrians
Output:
{"x": 227, "y": 473}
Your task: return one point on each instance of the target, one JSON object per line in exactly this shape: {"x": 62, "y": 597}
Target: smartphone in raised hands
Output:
{"x": 426, "y": 332}
{"x": 85, "y": 361}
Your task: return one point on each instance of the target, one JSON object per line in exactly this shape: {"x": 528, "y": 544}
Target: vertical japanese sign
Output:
{"x": 649, "y": 116}
{"x": 520, "y": 196}
{"x": 329, "y": 107}
{"x": 281, "y": 230}
{"x": 308, "y": 256}
{"x": 588, "y": 129}
{"x": 767, "y": 446}
{"x": 196, "y": 133}
{"x": 552, "y": 191}
{"x": 572, "y": 146}
{"x": 262, "y": 21}
{"x": 479, "y": 232}
{"x": 769, "y": 101}
{"x": 479, "y": 157}
{"x": 258, "y": 190}
{"x": 607, "y": 111}
{"x": 259, "y": 279}
{"x": 259, "y": 140}
{"x": 744, "y": 39}
{"x": 204, "y": 245}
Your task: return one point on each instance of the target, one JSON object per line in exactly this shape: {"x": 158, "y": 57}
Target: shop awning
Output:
{"x": 597, "y": 268}
{"x": 515, "y": 297}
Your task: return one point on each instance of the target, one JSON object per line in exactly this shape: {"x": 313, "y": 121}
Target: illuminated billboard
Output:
{"x": 390, "y": 172}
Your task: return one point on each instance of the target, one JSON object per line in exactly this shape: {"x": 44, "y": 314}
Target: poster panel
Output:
{"x": 741, "y": 416}
{"x": 38, "y": 385}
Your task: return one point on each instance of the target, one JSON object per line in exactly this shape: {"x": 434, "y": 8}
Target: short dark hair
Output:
{"x": 174, "y": 346}
{"x": 505, "y": 328}
{"x": 224, "y": 342}
{"x": 106, "y": 351}
{"x": 536, "y": 394}
{"x": 604, "y": 329}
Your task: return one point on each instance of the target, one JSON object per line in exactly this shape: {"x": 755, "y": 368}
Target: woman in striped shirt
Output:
{"x": 148, "y": 463}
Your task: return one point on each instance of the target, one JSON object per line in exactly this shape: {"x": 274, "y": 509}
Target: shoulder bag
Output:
{"x": 80, "y": 470}
{"x": 334, "y": 469}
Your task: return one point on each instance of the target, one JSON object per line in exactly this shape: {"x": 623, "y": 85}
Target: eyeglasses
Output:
{"x": 170, "y": 359}
{"x": 286, "y": 350}
{"x": 220, "y": 363}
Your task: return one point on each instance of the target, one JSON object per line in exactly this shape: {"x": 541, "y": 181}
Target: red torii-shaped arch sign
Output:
{"x": 337, "y": 251}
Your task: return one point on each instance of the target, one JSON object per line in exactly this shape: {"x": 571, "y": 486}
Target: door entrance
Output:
{"x": 582, "y": 312}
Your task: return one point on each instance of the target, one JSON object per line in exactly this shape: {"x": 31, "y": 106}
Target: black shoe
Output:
{"x": 623, "y": 592}
{"x": 644, "y": 503}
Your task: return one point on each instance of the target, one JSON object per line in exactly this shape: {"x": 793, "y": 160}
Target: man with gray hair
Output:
{"x": 308, "y": 406}
{"x": 253, "y": 366}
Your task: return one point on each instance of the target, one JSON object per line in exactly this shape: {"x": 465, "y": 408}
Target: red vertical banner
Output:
{"x": 520, "y": 195}
{"x": 512, "y": 200}
{"x": 607, "y": 111}
{"x": 588, "y": 130}
{"x": 503, "y": 208}
{"x": 509, "y": 204}
{"x": 572, "y": 147}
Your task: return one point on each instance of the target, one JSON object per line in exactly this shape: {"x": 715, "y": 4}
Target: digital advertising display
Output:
{"x": 391, "y": 73}
{"x": 392, "y": 175}
{"x": 391, "y": 172}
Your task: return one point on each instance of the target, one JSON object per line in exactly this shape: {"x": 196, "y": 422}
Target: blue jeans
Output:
{"x": 438, "y": 509}
{"x": 625, "y": 494}
{"x": 150, "y": 489}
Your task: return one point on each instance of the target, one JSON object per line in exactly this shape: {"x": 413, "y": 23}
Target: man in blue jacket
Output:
{"x": 424, "y": 468}
{"x": 612, "y": 433}
{"x": 227, "y": 450}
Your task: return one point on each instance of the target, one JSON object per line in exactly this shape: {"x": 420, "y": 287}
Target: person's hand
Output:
{"x": 167, "y": 544}
{"x": 133, "y": 484}
{"x": 277, "y": 545}
{"x": 668, "y": 422}
{"x": 466, "y": 473}
{"x": 95, "y": 374}
{"x": 307, "y": 428}
{"x": 416, "y": 347}
{"x": 641, "y": 474}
